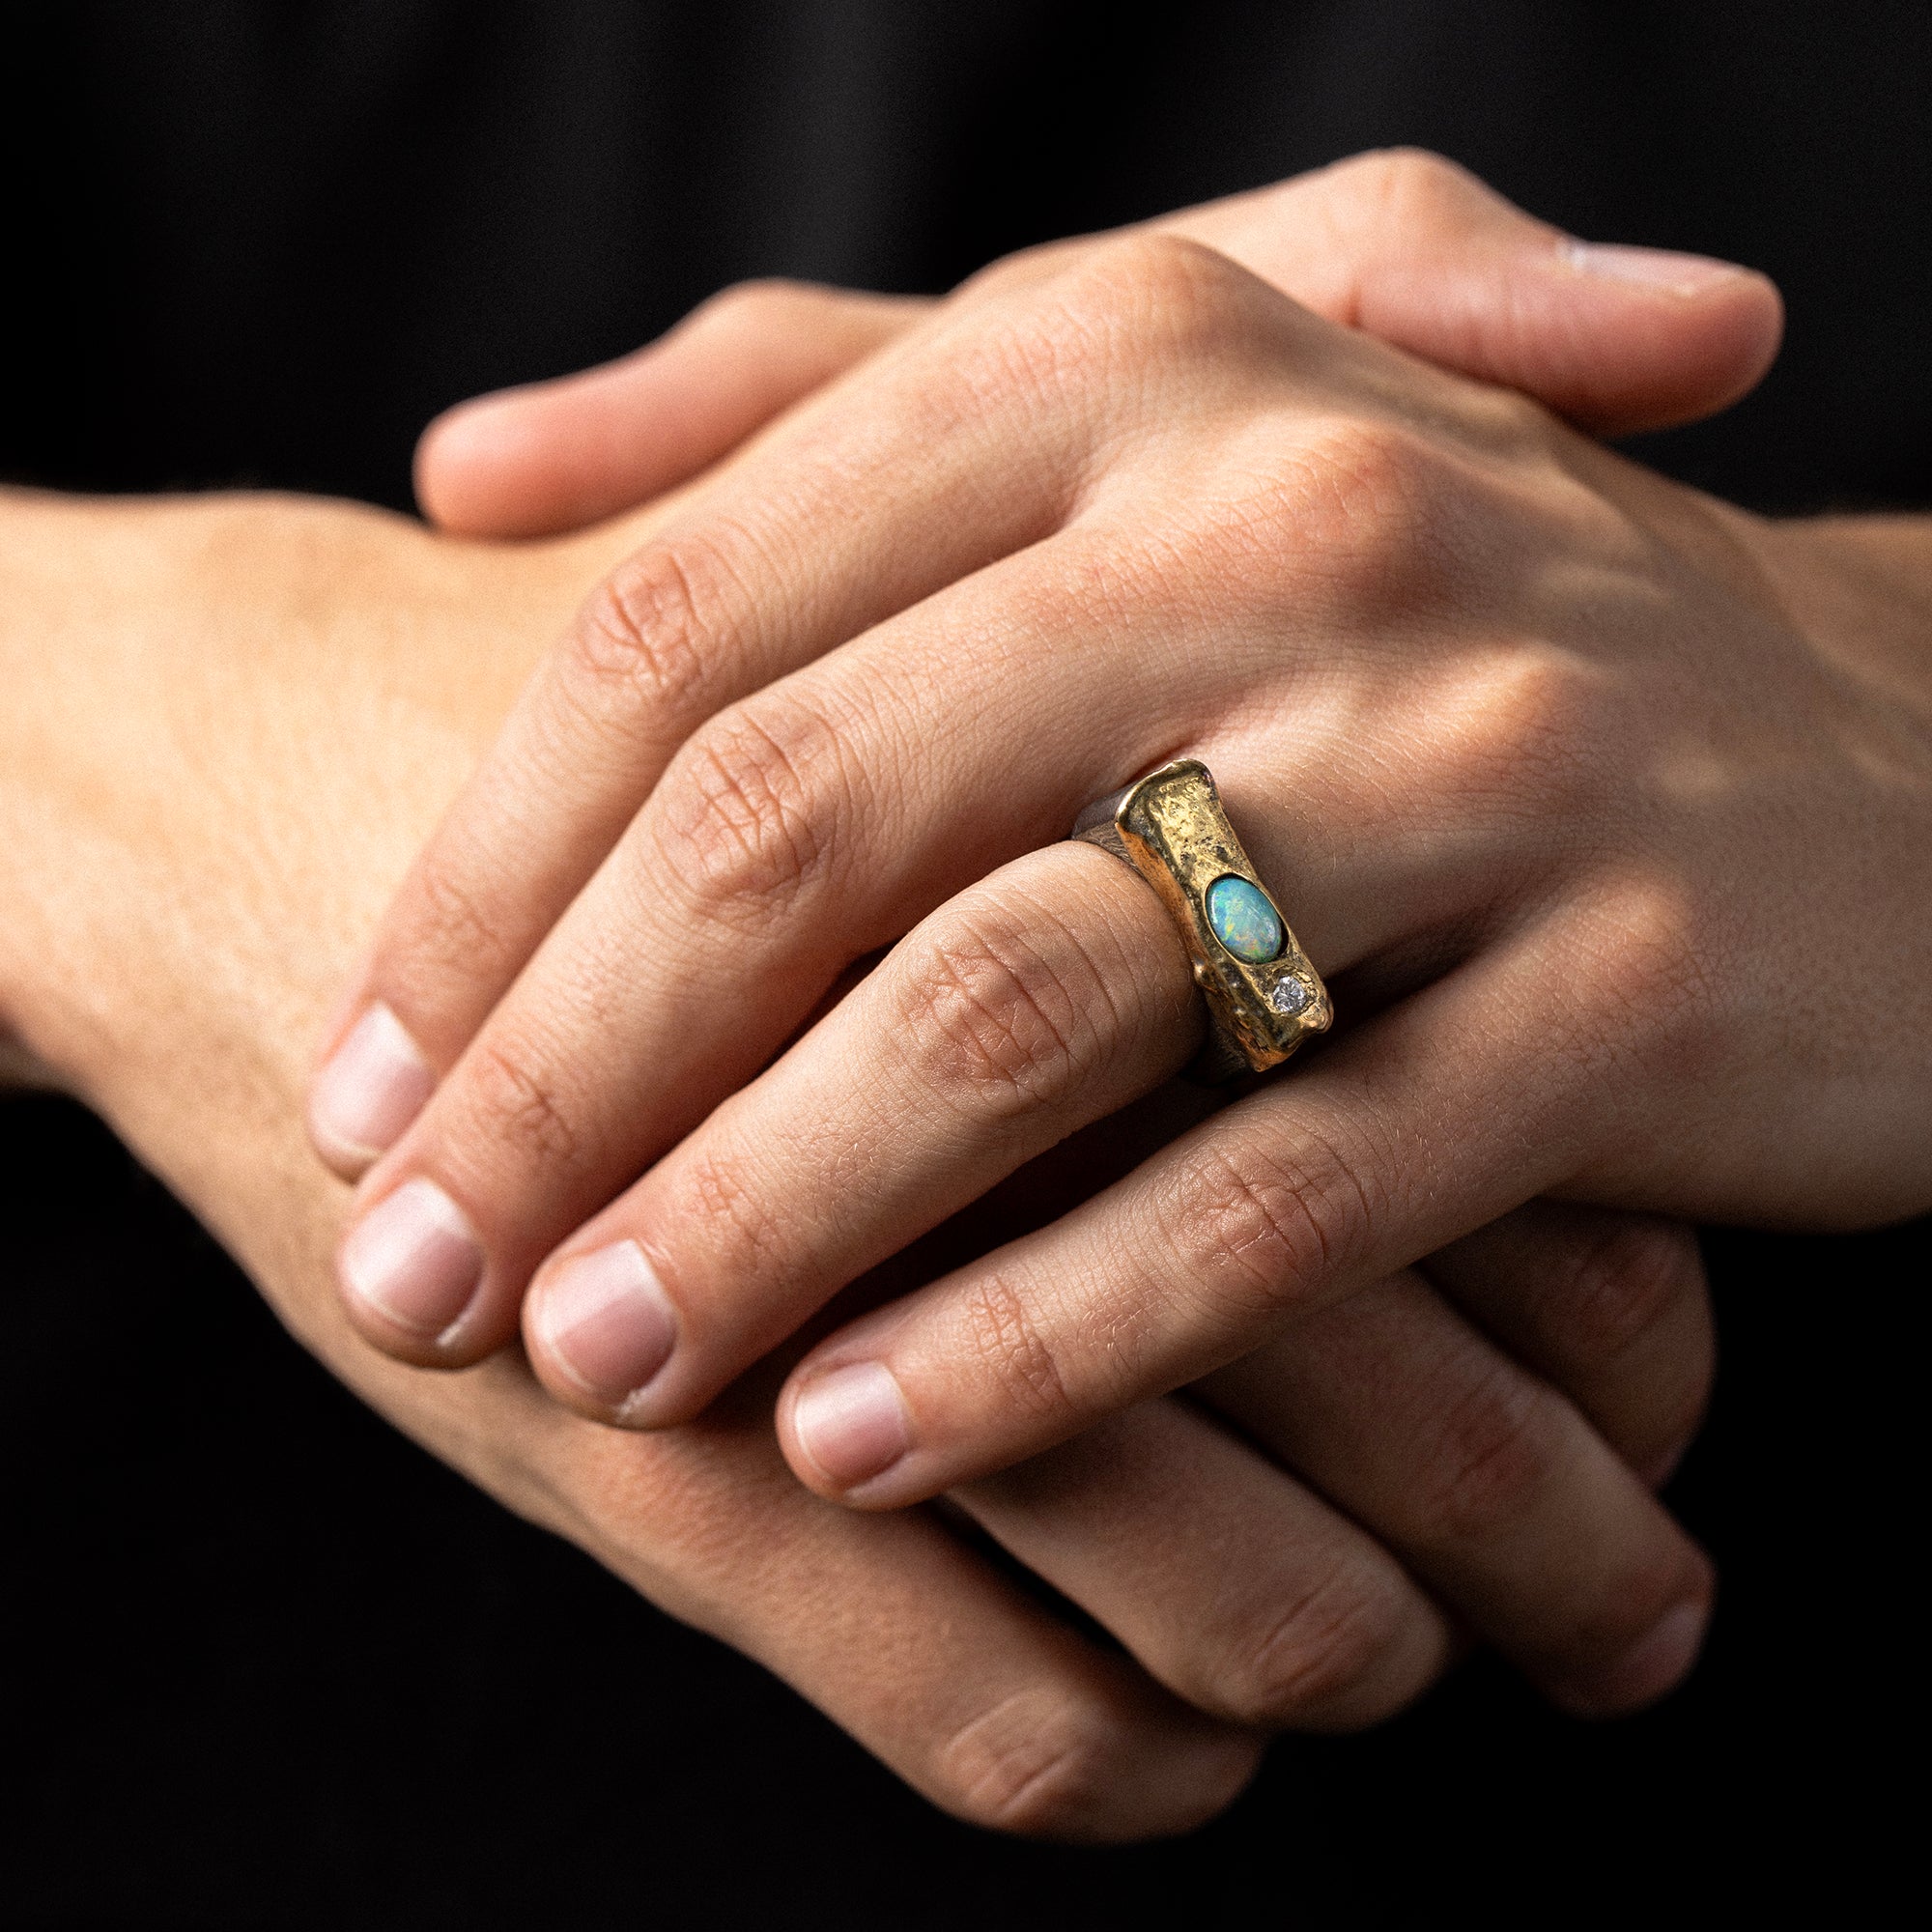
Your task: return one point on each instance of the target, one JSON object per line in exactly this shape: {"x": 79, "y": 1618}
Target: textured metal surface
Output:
{"x": 1171, "y": 828}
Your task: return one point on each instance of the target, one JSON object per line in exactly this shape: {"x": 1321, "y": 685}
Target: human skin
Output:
{"x": 1565, "y": 1601}
{"x": 1556, "y": 758}
{"x": 229, "y": 723}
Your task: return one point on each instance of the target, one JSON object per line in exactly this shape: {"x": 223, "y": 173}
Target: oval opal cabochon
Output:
{"x": 1241, "y": 917}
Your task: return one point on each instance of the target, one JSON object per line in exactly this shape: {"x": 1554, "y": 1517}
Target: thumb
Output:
{"x": 556, "y": 456}
{"x": 1411, "y": 248}
{"x": 1402, "y": 245}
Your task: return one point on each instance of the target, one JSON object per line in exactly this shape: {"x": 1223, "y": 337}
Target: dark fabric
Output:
{"x": 271, "y": 1664}
{"x": 265, "y": 240}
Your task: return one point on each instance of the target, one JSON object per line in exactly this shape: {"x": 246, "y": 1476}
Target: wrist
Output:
{"x": 185, "y": 677}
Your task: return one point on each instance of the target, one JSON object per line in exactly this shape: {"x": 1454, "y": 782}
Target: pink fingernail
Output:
{"x": 852, "y": 1423}
{"x": 413, "y": 1258}
{"x": 369, "y": 1089}
{"x": 1649, "y": 267}
{"x": 605, "y": 1318}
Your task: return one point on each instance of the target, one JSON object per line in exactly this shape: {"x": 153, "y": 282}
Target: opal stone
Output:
{"x": 1241, "y": 918}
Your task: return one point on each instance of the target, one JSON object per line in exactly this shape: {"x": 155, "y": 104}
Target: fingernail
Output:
{"x": 413, "y": 1258}
{"x": 1649, "y": 267}
{"x": 852, "y": 1423}
{"x": 605, "y": 1318}
{"x": 1652, "y": 1665}
{"x": 369, "y": 1089}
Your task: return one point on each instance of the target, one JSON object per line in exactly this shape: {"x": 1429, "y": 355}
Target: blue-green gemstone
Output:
{"x": 1241, "y": 918}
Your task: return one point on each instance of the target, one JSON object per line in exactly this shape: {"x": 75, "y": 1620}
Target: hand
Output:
{"x": 228, "y": 724}
{"x": 1403, "y": 247}
{"x": 1405, "y": 243}
{"x": 1675, "y": 1577}
{"x": 1576, "y": 754}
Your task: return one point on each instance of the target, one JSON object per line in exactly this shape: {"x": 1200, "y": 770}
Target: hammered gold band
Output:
{"x": 1264, "y": 998}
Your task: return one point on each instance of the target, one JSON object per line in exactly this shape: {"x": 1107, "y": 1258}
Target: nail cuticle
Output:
{"x": 605, "y": 1322}
{"x": 370, "y": 1087}
{"x": 413, "y": 1260}
{"x": 852, "y": 1424}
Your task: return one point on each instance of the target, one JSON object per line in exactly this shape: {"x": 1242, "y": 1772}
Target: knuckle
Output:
{"x": 1013, "y": 1015}
{"x": 760, "y": 302}
{"x": 1647, "y": 994}
{"x": 1608, "y": 1294}
{"x": 1120, "y": 309}
{"x": 1169, "y": 283}
{"x": 1312, "y": 1658}
{"x": 1485, "y": 1459}
{"x": 646, "y": 640}
{"x": 753, "y": 808}
{"x": 1509, "y": 424}
{"x": 717, "y": 1212}
{"x": 778, "y": 309}
{"x": 1659, "y": 960}
{"x": 1524, "y": 734}
{"x": 1003, "y": 1337}
{"x": 1408, "y": 185}
{"x": 1023, "y": 269}
{"x": 1040, "y": 1763}
{"x": 1384, "y": 520}
{"x": 514, "y": 1093}
{"x": 453, "y": 934}
{"x": 1263, "y": 1228}
{"x": 1542, "y": 706}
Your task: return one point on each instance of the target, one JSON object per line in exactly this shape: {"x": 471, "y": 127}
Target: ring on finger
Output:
{"x": 1263, "y": 997}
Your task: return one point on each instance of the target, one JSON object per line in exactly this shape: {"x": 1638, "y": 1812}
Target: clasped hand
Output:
{"x": 1565, "y": 775}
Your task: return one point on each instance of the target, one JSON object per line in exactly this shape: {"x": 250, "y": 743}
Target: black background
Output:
{"x": 270, "y": 1664}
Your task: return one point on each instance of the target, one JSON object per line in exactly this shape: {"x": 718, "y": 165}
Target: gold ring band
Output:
{"x": 1264, "y": 998}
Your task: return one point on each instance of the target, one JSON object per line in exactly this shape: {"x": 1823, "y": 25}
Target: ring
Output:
{"x": 1264, "y": 998}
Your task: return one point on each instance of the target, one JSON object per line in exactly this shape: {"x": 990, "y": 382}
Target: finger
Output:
{"x": 1404, "y": 244}
{"x": 1416, "y": 250}
{"x": 847, "y": 520}
{"x": 1487, "y": 1485}
{"x": 572, "y": 767}
{"x": 556, "y": 456}
{"x": 1408, "y": 1133}
{"x": 1045, "y": 998}
{"x": 765, "y": 862}
{"x": 1611, "y": 1307}
{"x": 799, "y": 828}
{"x": 1226, "y": 1580}
{"x": 974, "y": 1693}
{"x": 777, "y": 847}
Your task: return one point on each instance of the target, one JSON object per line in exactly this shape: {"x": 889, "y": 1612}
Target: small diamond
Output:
{"x": 1291, "y": 997}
